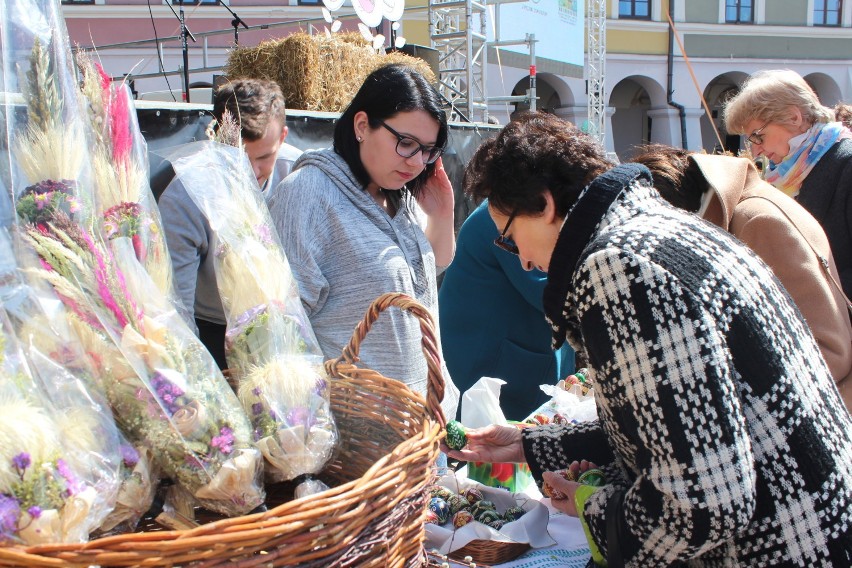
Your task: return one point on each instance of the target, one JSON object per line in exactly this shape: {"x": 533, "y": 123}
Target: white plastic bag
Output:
{"x": 481, "y": 404}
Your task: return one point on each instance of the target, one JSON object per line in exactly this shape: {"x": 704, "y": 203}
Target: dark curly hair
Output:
{"x": 677, "y": 177}
{"x": 534, "y": 153}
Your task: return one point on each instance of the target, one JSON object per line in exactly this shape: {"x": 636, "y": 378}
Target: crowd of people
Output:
{"x": 719, "y": 350}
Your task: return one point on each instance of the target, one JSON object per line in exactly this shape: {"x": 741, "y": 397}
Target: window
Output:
{"x": 739, "y": 11}
{"x": 634, "y": 9}
{"x": 310, "y": 2}
{"x": 188, "y": 2}
{"x": 827, "y": 12}
{"x": 78, "y": 1}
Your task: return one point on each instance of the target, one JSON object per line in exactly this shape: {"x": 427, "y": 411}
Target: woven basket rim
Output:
{"x": 257, "y": 530}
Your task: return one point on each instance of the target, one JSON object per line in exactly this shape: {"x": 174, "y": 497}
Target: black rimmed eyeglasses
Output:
{"x": 756, "y": 137}
{"x": 506, "y": 243}
{"x": 406, "y": 146}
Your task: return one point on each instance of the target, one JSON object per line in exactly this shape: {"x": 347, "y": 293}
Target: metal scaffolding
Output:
{"x": 458, "y": 33}
{"x": 596, "y": 68}
{"x": 463, "y": 56}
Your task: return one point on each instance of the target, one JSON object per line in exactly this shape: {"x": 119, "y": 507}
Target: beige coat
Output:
{"x": 792, "y": 243}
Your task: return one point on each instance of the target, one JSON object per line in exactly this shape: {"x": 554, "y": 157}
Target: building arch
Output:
{"x": 632, "y": 100}
{"x": 825, "y": 87}
{"x": 552, "y": 93}
{"x": 717, "y": 92}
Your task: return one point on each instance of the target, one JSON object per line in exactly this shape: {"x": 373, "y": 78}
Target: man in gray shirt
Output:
{"x": 258, "y": 106}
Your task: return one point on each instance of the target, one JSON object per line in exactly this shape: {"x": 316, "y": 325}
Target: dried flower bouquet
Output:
{"x": 272, "y": 353}
{"x": 163, "y": 387}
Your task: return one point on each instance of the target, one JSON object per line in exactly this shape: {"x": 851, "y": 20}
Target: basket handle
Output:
{"x": 435, "y": 378}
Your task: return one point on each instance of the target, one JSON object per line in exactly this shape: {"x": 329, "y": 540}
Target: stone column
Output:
{"x": 665, "y": 126}
{"x": 693, "y": 129}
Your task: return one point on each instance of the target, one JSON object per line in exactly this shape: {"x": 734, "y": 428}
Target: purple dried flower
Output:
{"x": 224, "y": 442}
{"x": 167, "y": 392}
{"x": 256, "y": 391}
{"x": 257, "y": 408}
{"x": 298, "y": 416}
{"x": 72, "y": 486}
{"x": 22, "y": 461}
{"x": 65, "y": 186}
{"x": 129, "y": 455}
{"x": 34, "y": 511}
{"x": 10, "y": 510}
{"x": 41, "y": 200}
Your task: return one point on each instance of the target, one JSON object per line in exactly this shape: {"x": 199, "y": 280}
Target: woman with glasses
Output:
{"x": 809, "y": 153}
{"x": 721, "y": 436}
{"x": 373, "y": 214}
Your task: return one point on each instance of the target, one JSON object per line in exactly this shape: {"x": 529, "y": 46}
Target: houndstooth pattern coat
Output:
{"x": 722, "y": 434}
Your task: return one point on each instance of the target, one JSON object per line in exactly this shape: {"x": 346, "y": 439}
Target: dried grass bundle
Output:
{"x": 317, "y": 73}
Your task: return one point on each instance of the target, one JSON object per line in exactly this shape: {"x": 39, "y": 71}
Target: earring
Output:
{"x": 359, "y": 139}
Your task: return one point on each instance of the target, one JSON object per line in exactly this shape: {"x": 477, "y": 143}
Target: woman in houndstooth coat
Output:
{"x": 721, "y": 433}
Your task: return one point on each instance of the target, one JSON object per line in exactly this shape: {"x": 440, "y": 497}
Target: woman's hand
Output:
{"x": 437, "y": 200}
{"x": 567, "y": 488}
{"x": 436, "y": 197}
{"x": 491, "y": 444}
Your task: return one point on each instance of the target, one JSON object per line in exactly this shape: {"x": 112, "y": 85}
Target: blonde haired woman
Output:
{"x": 810, "y": 155}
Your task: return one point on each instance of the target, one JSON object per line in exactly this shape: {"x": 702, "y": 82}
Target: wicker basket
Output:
{"x": 490, "y": 551}
{"x": 373, "y": 517}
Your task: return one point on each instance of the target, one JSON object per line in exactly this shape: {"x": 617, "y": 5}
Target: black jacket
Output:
{"x": 720, "y": 429}
{"x": 827, "y": 194}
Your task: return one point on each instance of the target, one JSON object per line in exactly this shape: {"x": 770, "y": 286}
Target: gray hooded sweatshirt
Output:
{"x": 345, "y": 251}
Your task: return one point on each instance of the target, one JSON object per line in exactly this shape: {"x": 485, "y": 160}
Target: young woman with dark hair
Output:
{"x": 373, "y": 215}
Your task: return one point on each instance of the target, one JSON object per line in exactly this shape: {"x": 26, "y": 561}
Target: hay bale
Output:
{"x": 316, "y": 72}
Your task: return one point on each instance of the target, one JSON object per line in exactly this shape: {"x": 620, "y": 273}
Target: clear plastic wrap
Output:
{"x": 58, "y": 453}
{"x": 65, "y": 376}
{"x": 125, "y": 203}
{"x": 273, "y": 356}
{"x": 164, "y": 389}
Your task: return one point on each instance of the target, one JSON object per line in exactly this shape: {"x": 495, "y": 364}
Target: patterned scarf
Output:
{"x": 792, "y": 171}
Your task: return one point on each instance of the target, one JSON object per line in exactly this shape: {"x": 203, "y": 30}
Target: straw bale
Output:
{"x": 316, "y": 72}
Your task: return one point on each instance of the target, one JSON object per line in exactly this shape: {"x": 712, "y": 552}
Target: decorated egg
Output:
{"x": 473, "y": 495}
{"x": 513, "y": 513}
{"x": 549, "y": 491}
{"x": 559, "y": 419}
{"x": 487, "y": 516}
{"x": 456, "y": 437}
{"x": 482, "y": 505}
{"x": 540, "y": 419}
{"x": 497, "y": 525}
{"x": 462, "y": 518}
{"x": 431, "y": 517}
{"x": 441, "y": 491}
{"x": 440, "y": 508}
{"x": 592, "y": 477}
{"x": 457, "y": 503}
